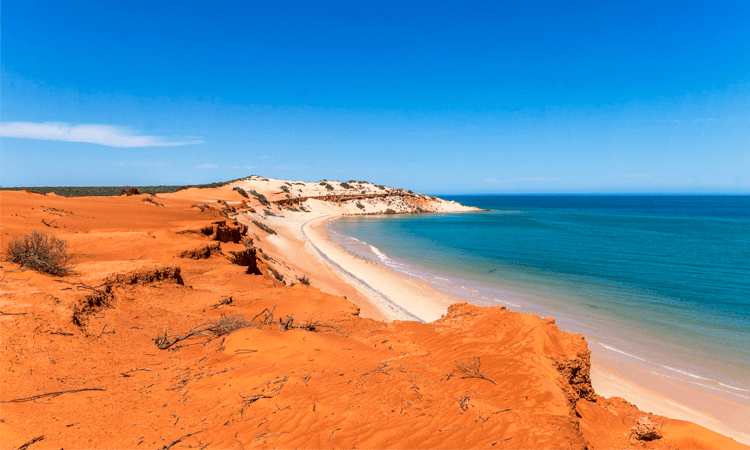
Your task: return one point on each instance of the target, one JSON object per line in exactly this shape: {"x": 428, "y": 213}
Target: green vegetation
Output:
{"x": 106, "y": 191}
{"x": 285, "y": 188}
{"x": 346, "y": 186}
{"x": 305, "y": 280}
{"x": 264, "y": 227}
{"x": 241, "y": 191}
{"x": 41, "y": 252}
{"x": 261, "y": 198}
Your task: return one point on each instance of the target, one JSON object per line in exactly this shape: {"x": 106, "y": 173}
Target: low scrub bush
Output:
{"x": 264, "y": 227}
{"x": 261, "y": 198}
{"x": 345, "y": 186}
{"x": 41, "y": 252}
{"x": 241, "y": 191}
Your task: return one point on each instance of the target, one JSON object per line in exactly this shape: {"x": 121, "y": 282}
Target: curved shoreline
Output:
{"x": 616, "y": 378}
{"x": 388, "y": 307}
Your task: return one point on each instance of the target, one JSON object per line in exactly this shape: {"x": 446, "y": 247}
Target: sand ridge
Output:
{"x": 305, "y": 369}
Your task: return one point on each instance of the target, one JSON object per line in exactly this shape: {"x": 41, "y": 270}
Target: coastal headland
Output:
{"x": 224, "y": 317}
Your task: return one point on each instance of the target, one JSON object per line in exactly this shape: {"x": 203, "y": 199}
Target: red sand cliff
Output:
{"x": 327, "y": 378}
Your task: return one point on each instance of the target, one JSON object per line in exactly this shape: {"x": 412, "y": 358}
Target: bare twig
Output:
{"x": 470, "y": 370}
{"x": 268, "y": 318}
{"x": 213, "y": 330}
{"x": 263, "y": 436}
{"x": 26, "y": 445}
{"x": 126, "y": 374}
{"x": 178, "y": 440}
{"x": 50, "y": 394}
{"x": 331, "y": 436}
{"x": 52, "y": 224}
{"x": 3, "y": 313}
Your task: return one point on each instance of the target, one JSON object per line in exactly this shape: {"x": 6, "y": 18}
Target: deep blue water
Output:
{"x": 666, "y": 278}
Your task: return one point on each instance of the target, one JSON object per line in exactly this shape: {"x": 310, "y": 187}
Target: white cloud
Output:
{"x": 206, "y": 166}
{"x": 519, "y": 180}
{"x": 89, "y": 133}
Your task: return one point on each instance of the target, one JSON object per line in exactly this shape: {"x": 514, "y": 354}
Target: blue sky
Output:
{"x": 460, "y": 97}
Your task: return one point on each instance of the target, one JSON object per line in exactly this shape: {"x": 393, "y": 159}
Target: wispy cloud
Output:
{"x": 519, "y": 180}
{"x": 110, "y": 136}
{"x": 641, "y": 175}
{"x": 206, "y": 166}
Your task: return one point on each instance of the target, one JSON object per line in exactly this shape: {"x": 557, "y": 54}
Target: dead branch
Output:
{"x": 3, "y": 313}
{"x": 26, "y": 445}
{"x": 288, "y": 324}
{"x": 263, "y": 436}
{"x": 241, "y": 351}
{"x": 221, "y": 327}
{"x": 470, "y": 370}
{"x": 268, "y": 318}
{"x": 52, "y": 224}
{"x": 50, "y": 394}
{"x": 331, "y": 436}
{"x": 250, "y": 399}
{"x": 126, "y": 374}
{"x": 224, "y": 301}
{"x": 177, "y": 441}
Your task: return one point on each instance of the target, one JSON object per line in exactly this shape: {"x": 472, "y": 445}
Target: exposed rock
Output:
{"x": 220, "y": 231}
{"x": 168, "y": 274}
{"x": 204, "y": 252}
{"x": 249, "y": 259}
{"x": 646, "y": 430}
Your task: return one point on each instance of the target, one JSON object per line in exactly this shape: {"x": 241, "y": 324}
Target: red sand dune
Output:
{"x": 328, "y": 378}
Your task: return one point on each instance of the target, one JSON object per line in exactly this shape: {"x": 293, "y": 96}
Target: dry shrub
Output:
{"x": 41, "y": 252}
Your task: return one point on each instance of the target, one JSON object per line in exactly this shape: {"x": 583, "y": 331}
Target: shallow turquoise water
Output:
{"x": 663, "y": 281}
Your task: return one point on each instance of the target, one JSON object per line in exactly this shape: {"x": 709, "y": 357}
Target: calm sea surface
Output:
{"x": 661, "y": 281}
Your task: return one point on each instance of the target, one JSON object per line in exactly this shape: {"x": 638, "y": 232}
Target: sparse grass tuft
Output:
{"x": 41, "y": 252}
{"x": 305, "y": 280}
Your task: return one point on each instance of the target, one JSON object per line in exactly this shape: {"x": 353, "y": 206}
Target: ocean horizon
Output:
{"x": 658, "y": 281}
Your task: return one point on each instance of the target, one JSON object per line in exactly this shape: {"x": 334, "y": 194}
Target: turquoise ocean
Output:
{"x": 662, "y": 282}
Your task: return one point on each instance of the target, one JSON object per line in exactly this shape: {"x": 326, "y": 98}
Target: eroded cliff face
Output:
{"x": 229, "y": 357}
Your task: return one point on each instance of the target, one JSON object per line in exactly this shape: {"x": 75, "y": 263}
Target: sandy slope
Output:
{"x": 315, "y": 375}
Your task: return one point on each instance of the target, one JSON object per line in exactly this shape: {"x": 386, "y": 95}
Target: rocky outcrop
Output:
{"x": 168, "y": 274}
{"x": 646, "y": 430}
{"x": 204, "y": 252}
{"x": 248, "y": 258}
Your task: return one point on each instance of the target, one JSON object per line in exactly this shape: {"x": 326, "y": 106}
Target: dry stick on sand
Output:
{"x": 178, "y": 440}
{"x": 268, "y": 318}
{"x": 52, "y": 224}
{"x": 471, "y": 370}
{"x": 50, "y": 394}
{"x": 127, "y": 374}
{"x": 26, "y": 445}
{"x": 213, "y": 330}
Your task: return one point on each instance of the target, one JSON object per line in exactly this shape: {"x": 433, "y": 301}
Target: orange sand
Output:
{"x": 347, "y": 382}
